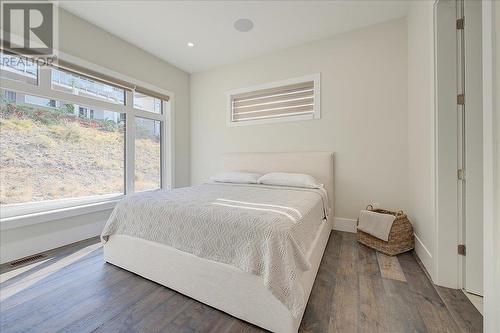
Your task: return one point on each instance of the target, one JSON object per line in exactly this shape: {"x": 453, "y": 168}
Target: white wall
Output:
{"x": 88, "y": 42}
{"x": 363, "y": 113}
{"x": 496, "y": 230}
{"x": 21, "y": 242}
{"x": 495, "y": 255}
{"x": 421, "y": 128}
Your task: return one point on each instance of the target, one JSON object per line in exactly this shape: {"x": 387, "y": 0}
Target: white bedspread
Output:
{"x": 262, "y": 230}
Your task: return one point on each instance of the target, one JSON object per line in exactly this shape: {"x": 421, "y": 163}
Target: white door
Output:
{"x": 473, "y": 148}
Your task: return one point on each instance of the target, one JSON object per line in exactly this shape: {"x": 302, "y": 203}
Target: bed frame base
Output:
{"x": 221, "y": 286}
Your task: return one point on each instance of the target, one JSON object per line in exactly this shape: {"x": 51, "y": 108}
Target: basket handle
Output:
{"x": 399, "y": 213}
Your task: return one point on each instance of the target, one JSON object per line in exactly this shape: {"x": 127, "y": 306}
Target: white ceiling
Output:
{"x": 164, "y": 28}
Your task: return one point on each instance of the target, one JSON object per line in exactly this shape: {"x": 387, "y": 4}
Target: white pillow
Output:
{"x": 290, "y": 179}
{"x": 236, "y": 177}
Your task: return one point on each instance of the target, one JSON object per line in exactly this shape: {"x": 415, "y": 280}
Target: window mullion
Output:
{"x": 130, "y": 144}
{"x": 166, "y": 153}
{"x": 148, "y": 115}
{"x": 45, "y": 78}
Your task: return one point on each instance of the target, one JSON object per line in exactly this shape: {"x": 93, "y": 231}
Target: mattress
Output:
{"x": 266, "y": 231}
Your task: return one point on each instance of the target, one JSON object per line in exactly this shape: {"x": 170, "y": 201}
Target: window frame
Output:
{"x": 316, "y": 78}
{"x": 29, "y": 213}
{"x": 154, "y": 98}
{"x": 11, "y": 99}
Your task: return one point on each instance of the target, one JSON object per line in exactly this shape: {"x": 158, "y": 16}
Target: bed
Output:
{"x": 265, "y": 295}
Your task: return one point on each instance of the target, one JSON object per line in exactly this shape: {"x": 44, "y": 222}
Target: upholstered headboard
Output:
{"x": 317, "y": 164}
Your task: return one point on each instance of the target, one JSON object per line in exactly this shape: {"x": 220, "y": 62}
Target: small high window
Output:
{"x": 295, "y": 99}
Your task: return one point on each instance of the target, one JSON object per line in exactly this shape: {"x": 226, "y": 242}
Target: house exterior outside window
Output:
{"x": 10, "y": 96}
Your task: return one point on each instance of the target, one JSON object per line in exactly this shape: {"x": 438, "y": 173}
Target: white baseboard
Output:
{"x": 343, "y": 224}
{"x": 424, "y": 255}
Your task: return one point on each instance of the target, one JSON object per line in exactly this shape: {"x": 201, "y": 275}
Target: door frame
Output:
{"x": 449, "y": 266}
{"x": 490, "y": 166}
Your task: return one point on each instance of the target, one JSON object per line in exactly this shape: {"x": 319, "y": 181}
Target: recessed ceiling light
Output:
{"x": 243, "y": 24}
{"x": 190, "y": 44}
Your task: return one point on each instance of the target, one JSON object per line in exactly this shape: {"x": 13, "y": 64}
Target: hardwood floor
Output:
{"x": 356, "y": 290}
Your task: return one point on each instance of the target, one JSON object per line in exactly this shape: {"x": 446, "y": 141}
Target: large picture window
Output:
{"x": 49, "y": 152}
{"x": 65, "y": 138}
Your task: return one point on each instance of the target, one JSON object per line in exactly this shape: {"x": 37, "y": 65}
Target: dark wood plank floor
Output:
{"x": 356, "y": 290}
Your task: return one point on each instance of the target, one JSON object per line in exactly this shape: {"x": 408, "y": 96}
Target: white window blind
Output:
{"x": 295, "y": 99}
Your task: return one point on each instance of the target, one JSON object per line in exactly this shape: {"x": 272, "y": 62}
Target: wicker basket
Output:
{"x": 401, "y": 237}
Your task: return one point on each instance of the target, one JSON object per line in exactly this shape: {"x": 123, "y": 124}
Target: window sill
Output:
{"x": 56, "y": 214}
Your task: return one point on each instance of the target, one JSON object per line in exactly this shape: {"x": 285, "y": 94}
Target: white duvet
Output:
{"x": 262, "y": 230}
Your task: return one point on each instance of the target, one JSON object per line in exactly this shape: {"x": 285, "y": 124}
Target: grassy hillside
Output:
{"x": 50, "y": 154}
